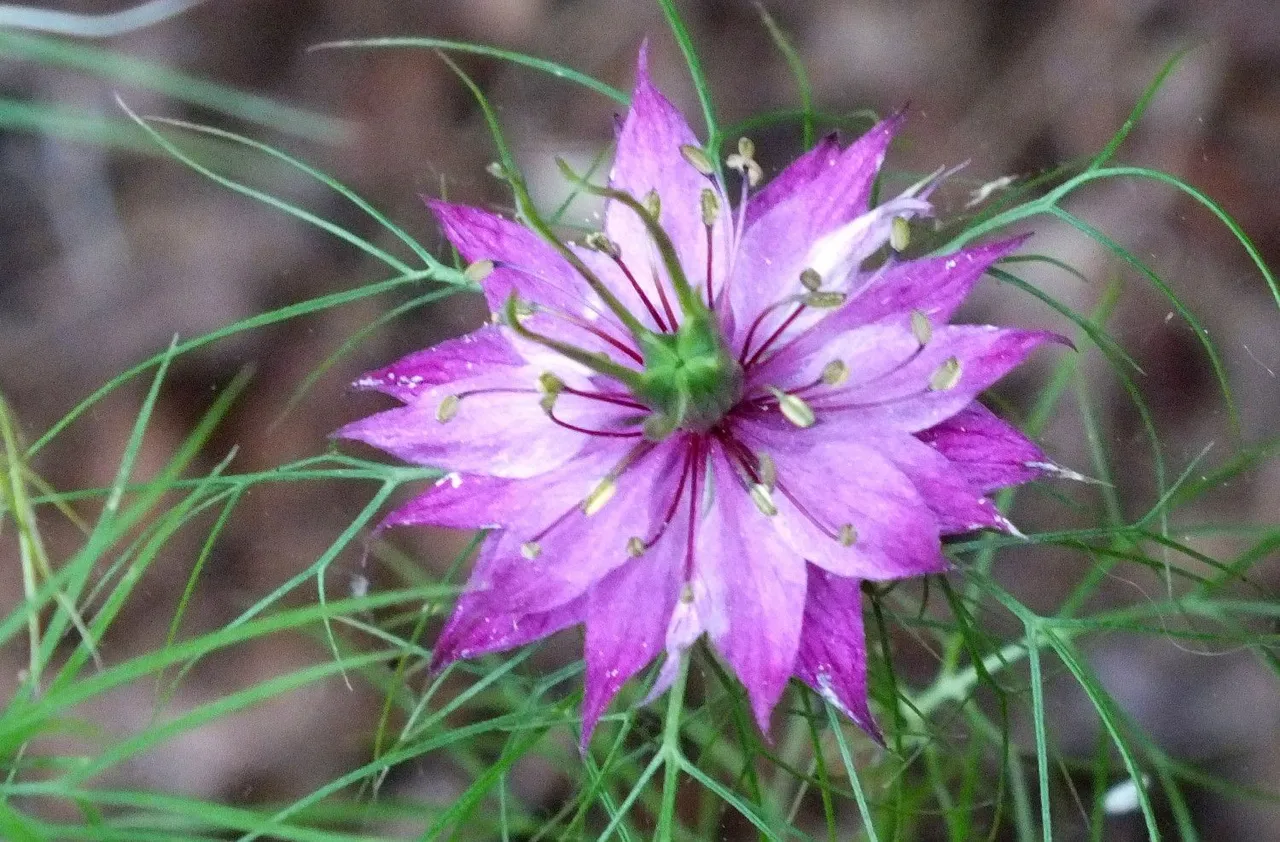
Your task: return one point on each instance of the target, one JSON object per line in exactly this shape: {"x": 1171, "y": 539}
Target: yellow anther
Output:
{"x": 531, "y": 550}
{"x": 697, "y": 158}
{"x": 848, "y": 535}
{"x": 710, "y": 208}
{"x": 686, "y": 593}
{"x": 763, "y": 498}
{"x": 793, "y": 408}
{"x": 635, "y": 547}
{"x": 597, "y": 241}
{"x": 448, "y": 408}
{"x": 921, "y": 327}
{"x": 744, "y": 162}
{"x": 835, "y": 373}
{"x": 947, "y": 375}
{"x": 478, "y": 271}
{"x": 599, "y": 496}
{"x": 767, "y": 470}
{"x": 652, "y": 205}
{"x": 899, "y": 233}
{"x": 823, "y": 300}
{"x": 811, "y": 280}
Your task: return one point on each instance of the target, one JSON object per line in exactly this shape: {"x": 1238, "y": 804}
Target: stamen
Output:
{"x": 794, "y": 409}
{"x": 947, "y": 375}
{"x": 697, "y": 467}
{"x": 478, "y": 271}
{"x": 763, "y": 498}
{"x": 773, "y": 337}
{"x": 744, "y": 162}
{"x": 686, "y": 594}
{"x": 599, "y": 242}
{"x": 710, "y": 210}
{"x": 698, "y": 159}
{"x": 670, "y": 514}
{"x": 767, "y": 471}
{"x": 599, "y": 496}
{"x": 531, "y": 550}
{"x": 652, "y": 205}
{"x": 496, "y": 169}
{"x": 899, "y": 233}
{"x": 823, "y": 300}
{"x": 447, "y": 409}
{"x": 835, "y": 373}
{"x": 811, "y": 280}
{"x": 662, "y": 296}
{"x": 848, "y": 536}
{"x": 921, "y": 327}
{"x": 635, "y": 547}
{"x": 610, "y": 434}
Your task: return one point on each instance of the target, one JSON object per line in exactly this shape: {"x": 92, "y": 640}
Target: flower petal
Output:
{"x": 907, "y": 400}
{"x": 798, "y": 173}
{"x": 526, "y": 265}
{"x": 627, "y": 617}
{"x": 764, "y": 590}
{"x": 493, "y": 424}
{"x": 649, "y": 158}
{"x": 933, "y": 286}
{"x": 828, "y": 478}
{"x": 832, "y": 658}
{"x": 477, "y": 628}
{"x": 779, "y": 243}
{"x": 467, "y": 356}
{"x": 986, "y": 450}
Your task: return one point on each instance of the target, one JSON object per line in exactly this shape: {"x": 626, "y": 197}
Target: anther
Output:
{"x": 823, "y": 300}
{"x": 766, "y": 470}
{"x": 899, "y": 233}
{"x": 793, "y": 408}
{"x": 763, "y": 498}
{"x": 697, "y": 158}
{"x": 744, "y": 162}
{"x": 921, "y": 327}
{"x": 448, "y": 408}
{"x": 652, "y": 205}
{"x": 599, "y": 496}
{"x": 597, "y": 241}
{"x": 497, "y": 170}
{"x": 686, "y": 594}
{"x": 531, "y": 550}
{"x": 835, "y": 373}
{"x": 551, "y": 387}
{"x": 635, "y": 547}
{"x": 710, "y": 208}
{"x": 478, "y": 271}
{"x": 847, "y": 535}
{"x": 811, "y": 280}
{"x": 947, "y": 375}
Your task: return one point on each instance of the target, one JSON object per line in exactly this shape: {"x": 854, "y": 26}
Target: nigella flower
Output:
{"x": 709, "y": 419}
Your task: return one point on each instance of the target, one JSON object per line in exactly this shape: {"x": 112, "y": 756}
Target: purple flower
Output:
{"x": 709, "y": 418}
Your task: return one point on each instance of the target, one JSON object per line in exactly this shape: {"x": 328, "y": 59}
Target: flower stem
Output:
{"x": 670, "y": 752}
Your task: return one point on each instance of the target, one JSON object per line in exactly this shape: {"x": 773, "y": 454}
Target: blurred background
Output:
{"x": 109, "y": 252}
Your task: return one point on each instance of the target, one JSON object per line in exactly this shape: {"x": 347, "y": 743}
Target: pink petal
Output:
{"x": 764, "y": 591}
{"x": 525, "y": 506}
{"x": 498, "y": 429}
{"x": 476, "y": 628}
{"x": 777, "y": 246}
{"x": 526, "y": 265}
{"x": 648, "y": 159}
{"x": 987, "y": 451}
{"x": 829, "y": 477}
{"x": 798, "y": 174}
{"x": 470, "y": 355}
{"x": 934, "y": 286}
{"x": 903, "y": 400}
{"x": 627, "y": 616}
{"x": 832, "y": 658}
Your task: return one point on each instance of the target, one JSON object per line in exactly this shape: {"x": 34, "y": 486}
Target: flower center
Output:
{"x": 690, "y": 378}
